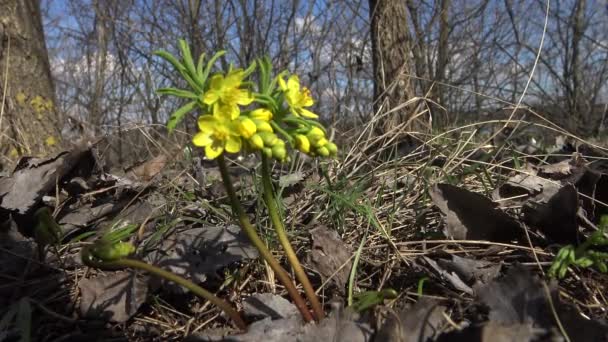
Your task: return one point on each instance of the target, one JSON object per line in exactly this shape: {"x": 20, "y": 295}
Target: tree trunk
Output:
{"x": 392, "y": 61}
{"x": 30, "y": 121}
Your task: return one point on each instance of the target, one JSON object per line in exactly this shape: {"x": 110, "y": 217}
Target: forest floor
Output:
{"x": 464, "y": 230}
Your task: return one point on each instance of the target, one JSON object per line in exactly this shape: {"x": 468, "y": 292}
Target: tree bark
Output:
{"x": 392, "y": 60}
{"x": 30, "y": 121}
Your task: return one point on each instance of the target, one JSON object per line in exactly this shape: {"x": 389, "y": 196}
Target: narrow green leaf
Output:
{"x": 177, "y": 92}
{"x": 178, "y": 115}
{"x": 199, "y": 68}
{"x": 188, "y": 61}
{"x": 171, "y": 59}
{"x": 211, "y": 63}
{"x": 249, "y": 70}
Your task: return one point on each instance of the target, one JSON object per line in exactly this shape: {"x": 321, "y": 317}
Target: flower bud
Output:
{"x": 269, "y": 138}
{"x": 246, "y": 127}
{"x": 262, "y": 126}
{"x": 333, "y": 149}
{"x": 267, "y": 152}
{"x": 112, "y": 251}
{"x": 279, "y": 152}
{"x": 302, "y": 143}
{"x": 316, "y": 137}
{"x": 256, "y": 142}
{"x": 262, "y": 114}
{"x": 323, "y": 151}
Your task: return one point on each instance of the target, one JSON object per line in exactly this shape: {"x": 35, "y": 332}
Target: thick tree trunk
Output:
{"x": 392, "y": 61}
{"x": 29, "y": 124}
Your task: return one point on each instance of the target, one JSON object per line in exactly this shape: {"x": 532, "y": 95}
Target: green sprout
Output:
{"x": 368, "y": 299}
{"x": 265, "y": 114}
{"x": 110, "y": 252}
{"x": 585, "y": 255}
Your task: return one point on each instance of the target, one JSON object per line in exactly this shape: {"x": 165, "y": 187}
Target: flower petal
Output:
{"x": 206, "y": 123}
{"x": 212, "y": 151}
{"x": 282, "y": 84}
{"x": 233, "y": 144}
{"x": 210, "y": 97}
{"x": 234, "y": 78}
{"x": 243, "y": 97}
{"x": 306, "y": 100}
{"x": 217, "y": 82}
{"x": 225, "y": 111}
{"x": 293, "y": 83}
{"x": 202, "y": 139}
{"x": 308, "y": 114}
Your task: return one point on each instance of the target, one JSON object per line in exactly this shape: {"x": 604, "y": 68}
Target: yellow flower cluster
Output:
{"x": 229, "y": 128}
{"x": 314, "y": 142}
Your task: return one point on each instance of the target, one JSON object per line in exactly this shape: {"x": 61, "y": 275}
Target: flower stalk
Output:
{"x": 91, "y": 261}
{"x": 277, "y": 222}
{"x": 249, "y": 229}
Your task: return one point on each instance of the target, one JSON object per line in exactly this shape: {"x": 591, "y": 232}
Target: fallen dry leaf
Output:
{"x": 114, "y": 296}
{"x": 520, "y": 298}
{"x": 261, "y": 305}
{"x": 557, "y": 217}
{"x": 472, "y": 216}
{"x": 342, "y": 325}
{"x": 197, "y": 252}
{"x": 330, "y": 256}
{"x": 33, "y": 178}
{"x": 463, "y": 273}
{"x": 422, "y": 322}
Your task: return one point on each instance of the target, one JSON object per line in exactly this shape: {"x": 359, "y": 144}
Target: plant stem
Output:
{"x": 249, "y": 229}
{"x": 277, "y": 222}
{"x": 199, "y": 291}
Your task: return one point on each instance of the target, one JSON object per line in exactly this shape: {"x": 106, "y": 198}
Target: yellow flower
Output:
{"x": 216, "y": 135}
{"x": 226, "y": 92}
{"x": 297, "y": 98}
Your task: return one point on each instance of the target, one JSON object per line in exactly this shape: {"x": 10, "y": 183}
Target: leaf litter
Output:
{"x": 554, "y": 202}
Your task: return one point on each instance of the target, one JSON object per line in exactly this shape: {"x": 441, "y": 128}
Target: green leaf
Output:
{"x": 181, "y": 69}
{"x": 177, "y": 92}
{"x": 171, "y": 59}
{"x": 199, "y": 68}
{"x": 178, "y": 115}
{"x": 211, "y": 63}
{"x": 189, "y": 62}
{"x": 249, "y": 70}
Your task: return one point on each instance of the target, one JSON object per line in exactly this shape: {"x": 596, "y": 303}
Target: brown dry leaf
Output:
{"x": 330, "y": 254}
{"x": 472, "y": 216}
{"x": 521, "y": 299}
{"x": 194, "y": 253}
{"x": 148, "y": 169}
{"x": 342, "y": 325}
{"x": 494, "y": 332}
{"x": 423, "y": 322}
{"x": 557, "y": 217}
{"x": 522, "y": 187}
{"x": 463, "y": 273}
{"x": 33, "y": 178}
{"x": 114, "y": 297}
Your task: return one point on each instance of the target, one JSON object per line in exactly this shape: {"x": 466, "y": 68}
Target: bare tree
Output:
{"x": 29, "y": 125}
{"x": 392, "y": 60}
